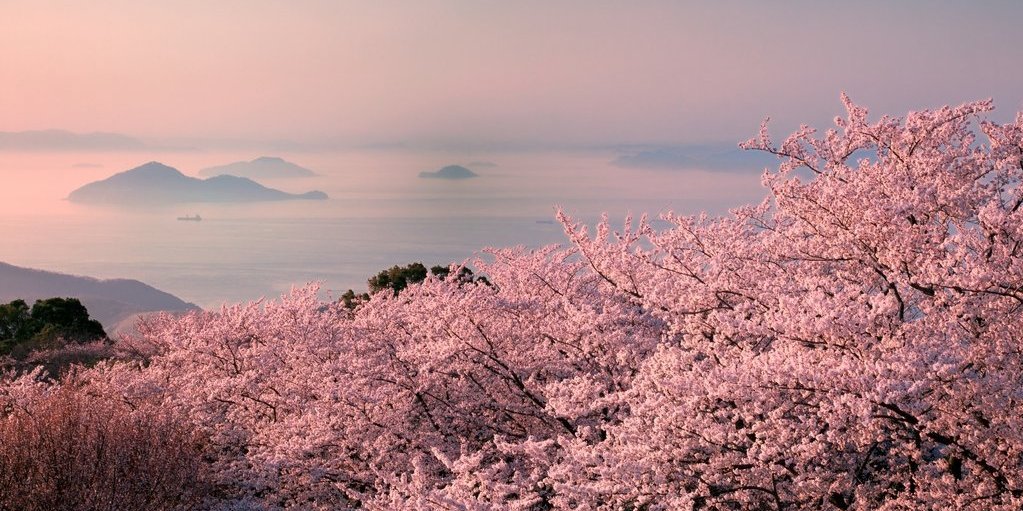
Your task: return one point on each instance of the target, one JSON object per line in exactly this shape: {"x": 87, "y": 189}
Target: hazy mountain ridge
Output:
{"x": 63, "y": 140}
{"x": 113, "y": 302}
{"x": 264, "y": 167}
{"x": 718, "y": 157}
{"x": 155, "y": 182}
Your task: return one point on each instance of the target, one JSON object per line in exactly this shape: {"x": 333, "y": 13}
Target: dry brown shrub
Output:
{"x": 73, "y": 451}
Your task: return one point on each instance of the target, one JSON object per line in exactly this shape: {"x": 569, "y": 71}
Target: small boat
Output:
{"x": 187, "y": 218}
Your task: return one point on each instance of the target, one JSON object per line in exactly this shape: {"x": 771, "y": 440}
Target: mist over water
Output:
{"x": 379, "y": 214}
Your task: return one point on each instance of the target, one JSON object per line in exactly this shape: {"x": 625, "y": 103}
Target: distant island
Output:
{"x": 156, "y": 183}
{"x": 264, "y": 167}
{"x": 115, "y": 303}
{"x": 450, "y": 172}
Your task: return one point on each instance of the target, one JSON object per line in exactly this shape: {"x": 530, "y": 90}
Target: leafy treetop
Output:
{"x": 47, "y": 321}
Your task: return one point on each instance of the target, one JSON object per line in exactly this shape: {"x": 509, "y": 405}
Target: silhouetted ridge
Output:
{"x": 155, "y": 182}
{"x": 111, "y": 301}
{"x": 264, "y": 167}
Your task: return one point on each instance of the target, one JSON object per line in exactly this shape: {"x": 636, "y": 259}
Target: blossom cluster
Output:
{"x": 851, "y": 342}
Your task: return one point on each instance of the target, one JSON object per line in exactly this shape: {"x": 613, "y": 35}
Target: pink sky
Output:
{"x": 475, "y": 72}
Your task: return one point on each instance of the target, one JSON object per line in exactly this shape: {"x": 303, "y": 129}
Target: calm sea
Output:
{"x": 379, "y": 214}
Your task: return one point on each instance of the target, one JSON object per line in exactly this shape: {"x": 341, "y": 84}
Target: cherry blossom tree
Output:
{"x": 850, "y": 342}
{"x": 308, "y": 403}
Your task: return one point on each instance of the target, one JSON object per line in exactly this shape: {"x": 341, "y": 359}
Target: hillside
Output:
{"x": 114, "y": 302}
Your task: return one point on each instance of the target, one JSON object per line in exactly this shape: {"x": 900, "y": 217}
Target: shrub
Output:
{"x": 67, "y": 450}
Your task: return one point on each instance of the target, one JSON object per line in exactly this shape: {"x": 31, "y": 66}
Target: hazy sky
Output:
{"x": 491, "y": 72}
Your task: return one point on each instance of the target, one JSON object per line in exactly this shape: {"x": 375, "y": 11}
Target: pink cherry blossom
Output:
{"x": 850, "y": 342}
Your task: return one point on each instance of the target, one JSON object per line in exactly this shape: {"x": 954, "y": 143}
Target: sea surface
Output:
{"x": 379, "y": 214}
